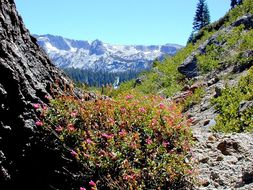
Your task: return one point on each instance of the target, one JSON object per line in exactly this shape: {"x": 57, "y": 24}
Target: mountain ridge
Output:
{"x": 97, "y": 55}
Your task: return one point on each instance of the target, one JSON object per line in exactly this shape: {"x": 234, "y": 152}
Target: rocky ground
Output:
{"x": 224, "y": 161}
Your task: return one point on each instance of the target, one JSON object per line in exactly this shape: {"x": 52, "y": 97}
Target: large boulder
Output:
{"x": 246, "y": 20}
{"x": 27, "y": 76}
{"x": 189, "y": 67}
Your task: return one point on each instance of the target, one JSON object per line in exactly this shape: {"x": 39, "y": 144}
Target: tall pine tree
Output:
{"x": 233, "y": 3}
{"x": 206, "y": 15}
{"x": 202, "y": 16}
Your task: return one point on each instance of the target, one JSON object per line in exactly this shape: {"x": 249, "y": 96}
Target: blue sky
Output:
{"x": 116, "y": 21}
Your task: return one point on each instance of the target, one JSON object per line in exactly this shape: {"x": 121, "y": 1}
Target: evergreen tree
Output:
{"x": 190, "y": 39}
{"x": 233, "y": 3}
{"x": 239, "y": 2}
{"x": 99, "y": 78}
{"x": 206, "y": 15}
{"x": 202, "y": 16}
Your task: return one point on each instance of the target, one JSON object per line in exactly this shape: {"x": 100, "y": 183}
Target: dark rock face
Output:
{"x": 247, "y": 55}
{"x": 97, "y": 48}
{"x": 247, "y": 177}
{"x": 227, "y": 147}
{"x": 189, "y": 68}
{"x": 246, "y": 20}
{"x": 26, "y": 77}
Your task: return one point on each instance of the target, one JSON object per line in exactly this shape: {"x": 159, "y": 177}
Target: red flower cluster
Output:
{"x": 138, "y": 137}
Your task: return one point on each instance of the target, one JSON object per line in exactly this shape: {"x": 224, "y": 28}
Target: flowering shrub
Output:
{"x": 132, "y": 142}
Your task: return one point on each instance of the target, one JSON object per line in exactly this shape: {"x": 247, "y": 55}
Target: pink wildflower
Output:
{"x": 171, "y": 151}
{"x": 133, "y": 145}
{"x": 86, "y": 155}
{"x": 71, "y": 127}
{"x": 161, "y": 105}
{"x": 142, "y": 110}
{"x": 126, "y": 177}
{"x": 36, "y": 106}
{"x": 166, "y": 143}
{"x": 38, "y": 123}
{"x": 111, "y": 121}
{"x": 190, "y": 171}
{"x": 104, "y": 135}
{"x": 110, "y": 136}
{"x": 154, "y": 122}
{"x": 47, "y": 97}
{"x": 123, "y": 110}
{"x": 92, "y": 183}
{"x": 122, "y": 132}
{"x": 148, "y": 140}
{"x": 73, "y": 153}
{"x": 82, "y": 188}
{"x": 44, "y": 107}
{"x": 129, "y": 177}
{"x": 107, "y": 136}
{"x": 59, "y": 128}
{"x": 74, "y": 114}
{"x": 89, "y": 141}
{"x": 190, "y": 120}
{"x": 129, "y": 97}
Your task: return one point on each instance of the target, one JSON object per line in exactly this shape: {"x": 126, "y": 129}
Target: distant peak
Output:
{"x": 96, "y": 42}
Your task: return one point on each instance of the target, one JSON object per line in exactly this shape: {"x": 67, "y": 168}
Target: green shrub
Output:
{"x": 245, "y": 8}
{"x": 193, "y": 99}
{"x": 132, "y": 142}
{"x": 246, "y": 40}
{"x": 230, "y": 119}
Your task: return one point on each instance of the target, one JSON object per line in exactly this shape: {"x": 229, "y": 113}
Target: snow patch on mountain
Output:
{"x": 99, "y": 56}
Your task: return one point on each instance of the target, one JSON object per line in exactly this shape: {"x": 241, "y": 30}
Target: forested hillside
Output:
{"x": 100, "y": 78}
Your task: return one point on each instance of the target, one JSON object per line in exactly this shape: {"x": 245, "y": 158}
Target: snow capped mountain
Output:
{"x": 99, "y": 56}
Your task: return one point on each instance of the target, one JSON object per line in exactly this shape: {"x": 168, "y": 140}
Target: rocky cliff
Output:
{"x": 26, "y": 77}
